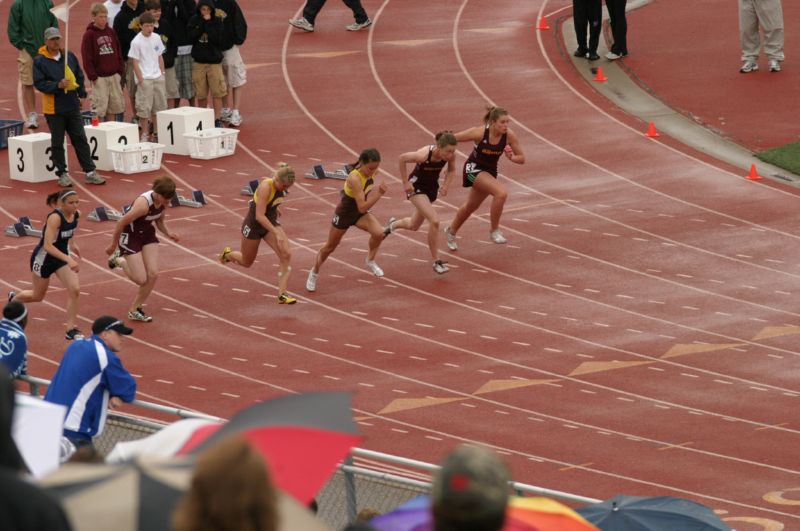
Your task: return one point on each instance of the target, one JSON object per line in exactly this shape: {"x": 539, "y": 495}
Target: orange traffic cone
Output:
{"x": 600, "y": 77}
{"x": 753, "y": 175}
{"x": 542, "y": 24}
{"x": 651, "y": 131}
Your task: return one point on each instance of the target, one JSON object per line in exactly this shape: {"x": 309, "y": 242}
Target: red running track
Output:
{"x": 637, "y": 334}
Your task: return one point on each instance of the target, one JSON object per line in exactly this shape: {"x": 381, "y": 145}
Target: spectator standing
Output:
{"x": 146, "y": 52}
{"x": 113, "y": 7}
{"x": 126, "y": 26}
{"x": 769, "y": 15}
{"x": 13, "y": 342}
{"x": 587, "y": 13}
{"x": 27, "y": 21}
{"x": 90, "y": 379}
{"x": 178, "y": 13}
{"x": 61, "y": 105}
{"x": 205, "y": 31}
{"x": 313, "y": 7}
{"x": 234, "y": 33}
{"x": 619, "y": 29}
{"x": 103, "y": 64}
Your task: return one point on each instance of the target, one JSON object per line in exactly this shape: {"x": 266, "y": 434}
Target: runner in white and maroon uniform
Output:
{"x": 422, "y": 189}
{"x": 492, "y": 140}
{"x": 134, "y": 245}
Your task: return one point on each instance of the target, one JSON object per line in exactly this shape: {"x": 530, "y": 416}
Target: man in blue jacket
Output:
{"x": 90, "y": 379}
{"x": 62, "y": 89}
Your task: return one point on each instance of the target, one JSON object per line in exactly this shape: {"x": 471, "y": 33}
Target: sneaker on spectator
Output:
{"x": 93, "y": 178}
{"x": 302, "y": 23}
{"x": 581, "y": 52}
{"x": 225, "y": 116}
{"x": 451, "y": 239}
{"x": 73, "y": 334}
{"x": 374, "y": 268}
{"x": 218, "y": 124}
{"x": 440, "y": 267}
{"x": 497, "y": 237}
{"x": 611, "y": 56}
{"x": 748, "y": 66}
{"x": 286, "y": 299}
{"x": 139, "y": 315}
{"x": 64, "y": 181}
{"x": 235, "y": 119}
{"x": 356, "y": 26}
{"x": 33, "y": 120}
{"x": 144, "y": 138}
{"x": 774, "y": 65}
{"x": 311, "y": 283}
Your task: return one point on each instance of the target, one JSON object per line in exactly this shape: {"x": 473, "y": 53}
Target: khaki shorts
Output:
{"x": 172, "y": 84}
{"x": 234, "y": 68}
{"x": 107, "y": 95}
{"x": 151, "y": 97}
{"x": 207, "y": 77}
{"x": 25, "y": 67}
{"x": 130, "y": 78}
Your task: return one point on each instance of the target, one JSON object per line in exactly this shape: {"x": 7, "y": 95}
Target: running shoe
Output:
{"x": 33, "y": 120}
{"x": 374, "y": 268}
{"x": 93, "y": 178}
{"x": 64, "y": 181}
{"x": 223, "y": 256}
{"x": 235, "y": 119}
{"x": 286, "y": 299}
{"x": 451, "y": 239}
{"x": 497, "y": 237}
{"x": 302, "y": 23}
{"x": 774, "y": 65}
{"x": 73, "y": 334}
{"x": 113, "y": 260}
{"x": 440, "y": 267}
{"x": 225, "y": 115}
{"x": 748, "y": 66}
{"x": 11, "y": 295}
{"x": 139, "y": 315}
{"x": 389, "y": 229}
{"x": 581, "y": 52}
{"x": 311, "y": 283}
{"x": 356, "y": 26}
{"x": 612, "y": 56}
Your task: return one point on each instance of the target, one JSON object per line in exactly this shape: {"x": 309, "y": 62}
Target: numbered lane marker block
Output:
{"x": 174, "y": 123}
{"x": 29, "y": 158}
{"x": 105, "y": 135}
{"x": 212, "y": 143}
{"x": 137, "y": 158}
{"x": 250, "y": 189}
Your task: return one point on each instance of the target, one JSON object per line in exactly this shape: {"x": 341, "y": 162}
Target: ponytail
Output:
{"x": 285, "y": 173}
{"x": 56, "y": 197}
{"x": 367, "y": 156}
{"x": 493, "y": 114}
{"x": 445, "y": 138}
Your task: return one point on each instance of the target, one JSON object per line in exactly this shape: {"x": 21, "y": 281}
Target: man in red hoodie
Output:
{"x": 103, "y": 64}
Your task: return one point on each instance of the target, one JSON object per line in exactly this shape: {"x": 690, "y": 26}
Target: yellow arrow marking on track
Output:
{"x": 402, "y": 404}
{"x": 681, "y": 349}
{"x": 325, "y": 55}
{"x": 777, "y": 331}
{"x": 599, "y": 366}
{"x": 502, "y": 385}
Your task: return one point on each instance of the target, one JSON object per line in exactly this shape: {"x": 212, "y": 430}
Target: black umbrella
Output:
{"x": 662, "y": 513}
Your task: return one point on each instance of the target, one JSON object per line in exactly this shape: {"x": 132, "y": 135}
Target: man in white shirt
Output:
{"x": 148, "y": 64}
{"x": 113, "y": 7}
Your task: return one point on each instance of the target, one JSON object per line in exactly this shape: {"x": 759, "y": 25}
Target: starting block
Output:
{"x": 250, "y": 189}
{"x": 104, "y": 214}
{"x": 318, "y": 172}
{"x": 197, "y": 200}
{"x": 22, "y": 228}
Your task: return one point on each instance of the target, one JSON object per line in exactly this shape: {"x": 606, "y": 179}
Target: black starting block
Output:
{"x": 22, "y": 228}
{"x": 104, "y": 214}
{"x": 319, "y": 172}
{"x": 250, "y": 189}
{"x": 197, "y": 200}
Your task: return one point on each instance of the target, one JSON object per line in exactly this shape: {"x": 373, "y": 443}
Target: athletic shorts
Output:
{"x": 44, "y": 264}
{"x": 345, "y": 217}
{"x": 428, "y": 189}
{"x": 234, "y": 68}
{"x": 107, "y": 95}
{"x": 25, "y": 68}
{"x": 133, "y": 242}
{"x": 251, "y": 228}
{"x": 471, "y": 171}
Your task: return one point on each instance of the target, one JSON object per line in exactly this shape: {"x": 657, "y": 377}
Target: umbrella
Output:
{"x": 303, "y": 438}
{"x": 164, "y": 443}
{"x": 141, "y": 495}
{"x": 639, "y": 513}
{"x": 523, "y": 514}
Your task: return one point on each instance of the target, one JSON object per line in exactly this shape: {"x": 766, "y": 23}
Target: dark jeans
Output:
{"x": 71, "y": 123}
{"x": 313, "y": 7}
{"x": 619, "y": 25}
{"x": 587, "y": 13}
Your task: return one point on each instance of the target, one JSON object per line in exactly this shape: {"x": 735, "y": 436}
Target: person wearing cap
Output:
{"x": 90, "y": 379}
{"x": 62, "y": 89}
{"x": 470, "y": 491}
{"x": 13, "y": 342}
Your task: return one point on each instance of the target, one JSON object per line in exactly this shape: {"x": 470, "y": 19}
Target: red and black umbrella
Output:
{"x": 303, "y": 438}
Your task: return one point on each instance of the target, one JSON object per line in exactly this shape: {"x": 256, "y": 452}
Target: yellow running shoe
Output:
{"x": 286, "y": 299}
{"x": 223, "y": 256}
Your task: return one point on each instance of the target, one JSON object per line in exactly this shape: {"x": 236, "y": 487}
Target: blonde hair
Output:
{"x": 98, "y": 8}
{"x": 285, "y": 173}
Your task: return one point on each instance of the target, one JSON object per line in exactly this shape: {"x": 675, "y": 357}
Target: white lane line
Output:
{"x": 239, "y": 359}
{"x": 165, "y": 382}
{"x": 488, "y": 337}
{"x": 177, "y": 347}
{"x": 196, "y": 388}
{"x": 454, "y": 365}
{"x": 454, "y": 331}
{"x": 329, "y": 377}
{"x": 321, "y": 339}
{"x": 240, "y": 290}
{"x": 418, "y": 358}
{"x": 206, "y": 353}
{"x": 521, "y": 344}
{"x": 230, "y": 395}
{"x": 351, "y": 345}
{"x": 400, "y": 391}
{"x": 424, "y": 325}
{"x": 287, "y": 333}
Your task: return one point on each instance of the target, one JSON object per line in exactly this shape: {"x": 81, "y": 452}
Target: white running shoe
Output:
{"x": 302, "y": 23}
{"x": 33, "y": 120}
{"x": 440, "y": 267}
{"x": 451, "y": 239}
{"x": 225, "y": 115}
{"x": 235, "y": 118}
{"x": 389, "y": 229}
{"x": 497, "y": 237}
{"x": 375, "y": 268}
{"x": 774, "y": 65}
{"x": 356, "y": 26}
{"x": 311, "y": 283}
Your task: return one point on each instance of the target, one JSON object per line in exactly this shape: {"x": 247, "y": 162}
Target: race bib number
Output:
{"x": 335, "y": 220}
{"x": 471, "y": 167}
{"x": 123, "y": 238}
{"x": 246, "y": 231}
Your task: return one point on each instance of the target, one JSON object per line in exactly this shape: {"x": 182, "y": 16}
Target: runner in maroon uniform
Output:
{"x": 491, "y": 140}
{"x": 57, "y": 254}
{"x": 422, "y": 189}
{"x": 134, "y": 245}
{"x": 261, "y": 223}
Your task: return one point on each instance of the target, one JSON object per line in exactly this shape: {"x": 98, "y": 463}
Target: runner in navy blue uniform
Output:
{"x": 492, "y": 140}
{"x": 57, "y": 253}
{"x": 353, "y": 209}
{"x": 261, "y": 223}
{"x": 422, "y": 189}
{"x": 134, "y": 245}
